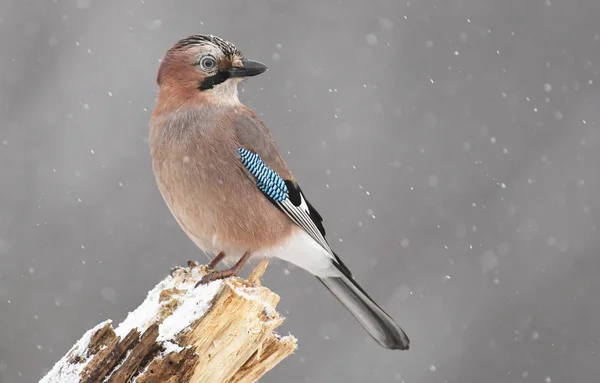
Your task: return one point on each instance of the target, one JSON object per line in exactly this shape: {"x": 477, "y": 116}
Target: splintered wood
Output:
{"x": 222, "y": 332}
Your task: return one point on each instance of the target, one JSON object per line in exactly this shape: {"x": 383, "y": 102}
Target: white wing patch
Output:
{"x": 301, "y": 217}
{"x": 303, "y": 204}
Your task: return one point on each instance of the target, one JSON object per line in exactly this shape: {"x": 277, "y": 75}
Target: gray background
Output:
{"x": 451, "y": 146}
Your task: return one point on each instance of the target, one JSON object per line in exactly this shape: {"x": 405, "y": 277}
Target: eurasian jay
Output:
{"x": 226, "y": 183}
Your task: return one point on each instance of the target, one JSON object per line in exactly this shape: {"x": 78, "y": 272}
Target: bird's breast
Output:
{"x": 210, "y": 196}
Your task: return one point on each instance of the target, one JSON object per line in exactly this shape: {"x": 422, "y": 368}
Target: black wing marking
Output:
{"x": 296, "y": 196}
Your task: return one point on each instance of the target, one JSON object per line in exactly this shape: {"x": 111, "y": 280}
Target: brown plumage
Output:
{"x": 189, "y": 169}
{"x": 226, "y": 183}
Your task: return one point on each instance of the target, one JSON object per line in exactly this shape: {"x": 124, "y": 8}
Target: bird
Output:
{"x": 223, "y": 178}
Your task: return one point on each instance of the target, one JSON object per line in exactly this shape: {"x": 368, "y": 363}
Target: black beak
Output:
{"x": 251, "y": 68}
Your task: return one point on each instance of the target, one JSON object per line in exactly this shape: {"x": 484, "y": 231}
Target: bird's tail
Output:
{"x": 372, "y": 317}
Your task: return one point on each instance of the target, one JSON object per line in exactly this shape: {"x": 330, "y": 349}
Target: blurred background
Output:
{"x": 452, "y": 147}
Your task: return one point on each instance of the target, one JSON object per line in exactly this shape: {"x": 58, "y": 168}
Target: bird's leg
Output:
{"x": 232, "y": 271}
{"x": 213, "y": 264}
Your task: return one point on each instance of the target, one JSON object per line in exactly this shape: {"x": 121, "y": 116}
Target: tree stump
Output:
{"x": 216, "y": 333}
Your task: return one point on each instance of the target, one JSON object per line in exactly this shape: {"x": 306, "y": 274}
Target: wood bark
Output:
{"x": 223, "y": 332}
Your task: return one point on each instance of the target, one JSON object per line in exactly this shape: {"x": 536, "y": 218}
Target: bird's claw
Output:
{"x": 214, "y": 276}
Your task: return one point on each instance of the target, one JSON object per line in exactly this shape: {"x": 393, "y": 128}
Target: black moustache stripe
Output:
{"x": 214, "y": 80}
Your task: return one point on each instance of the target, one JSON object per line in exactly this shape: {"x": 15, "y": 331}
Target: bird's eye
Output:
{"x": 208, "y": 63}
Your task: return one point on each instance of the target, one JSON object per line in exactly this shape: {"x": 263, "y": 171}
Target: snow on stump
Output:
{"x": 215, "y": 333}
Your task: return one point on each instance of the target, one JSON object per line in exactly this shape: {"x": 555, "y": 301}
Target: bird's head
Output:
{"x": 208, "y": 65}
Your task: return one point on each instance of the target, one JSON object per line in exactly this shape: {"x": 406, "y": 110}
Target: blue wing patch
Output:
{"x": 269, "y": 182}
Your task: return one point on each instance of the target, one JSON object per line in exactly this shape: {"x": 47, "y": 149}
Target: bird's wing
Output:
{"x": 286, "y": 195}
{"x": 263, "y": 162}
